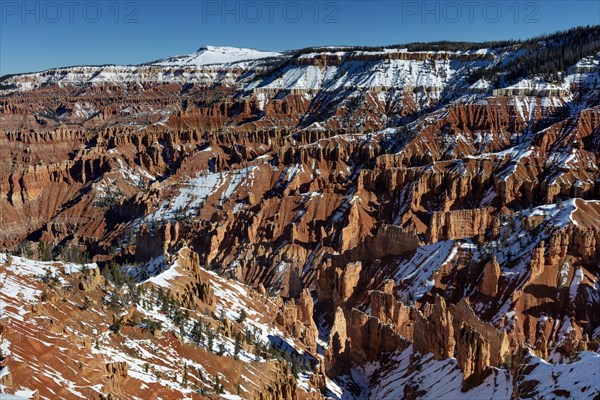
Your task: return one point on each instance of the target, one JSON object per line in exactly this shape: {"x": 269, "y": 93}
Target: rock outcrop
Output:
{"x": 435, "y": 332}
{"x": 489, "y": 282}
{"x": 298, "y": 319}
{"x": 447, "y": 330}
{"x": 337, "y": 356}
{"x": 479, "y": 345}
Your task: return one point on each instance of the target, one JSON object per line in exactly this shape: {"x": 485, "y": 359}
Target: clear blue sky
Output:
{"x": 36, "y": 35}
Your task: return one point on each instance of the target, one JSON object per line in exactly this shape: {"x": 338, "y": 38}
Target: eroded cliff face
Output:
{"x": 104, "y": 339}
{"x": 404, "y": 216}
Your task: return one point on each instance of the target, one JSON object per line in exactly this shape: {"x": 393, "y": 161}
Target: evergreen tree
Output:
{"x": 242, "y": 316}
{"x": 238, "y": 346}
{"x": 198, "y": 331}
{"x": 210, "y": 339}
{"x": 222, "y": 316}
{"x": 45, "y": 251}
{"x": 87, "y": 303}
{"x": 184, "y": 377}
{"x": 218, "y": 387}
{"x": 116, "y": 325}
{"x": 295, "y": 366}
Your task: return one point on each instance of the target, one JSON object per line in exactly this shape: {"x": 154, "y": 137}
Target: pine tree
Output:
{"x": 242, "y": 316}
{"x": 248, "y": 336}
{"x": 257, "y": 350}
{"x": 87, "y": 303}
{"x": 116, "y": 325}
{"x": 222, "y": 316}
{"x": 198, "y": 331}
{"x": 184, "y": 377}
{"x": 238, "y": 346}
{"x": 295, "y": 367}
{"x": 45, "y": 251}
{"x": 211, "y": 339}
{"x": 218, "y": 387}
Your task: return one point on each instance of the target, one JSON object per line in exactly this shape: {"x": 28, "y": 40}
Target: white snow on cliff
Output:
{"x": 208, "y": 55}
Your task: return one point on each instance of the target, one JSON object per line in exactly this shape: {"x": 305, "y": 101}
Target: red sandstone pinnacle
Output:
{"x": 489, "y": 283}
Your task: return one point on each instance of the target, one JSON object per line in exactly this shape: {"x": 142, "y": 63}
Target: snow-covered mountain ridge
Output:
{"x": 247, "y": 69}
{"x": 238, "y": 68}
{"x": 207, "y": 55}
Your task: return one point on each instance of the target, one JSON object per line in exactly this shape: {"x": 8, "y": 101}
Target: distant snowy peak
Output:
{"x": 207, "y": 55}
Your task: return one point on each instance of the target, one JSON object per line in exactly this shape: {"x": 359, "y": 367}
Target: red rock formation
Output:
{"x": 435, "y": 333}
{"x": 337, "y": 357}
{"x": 298, "y": 320}
{"x": 491, "y": 274}
{"x": 481, "y": 208}
{"x": 478, "y": 344}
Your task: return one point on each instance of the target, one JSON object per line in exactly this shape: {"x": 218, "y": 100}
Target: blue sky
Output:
{"x": 36, "y": 35}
